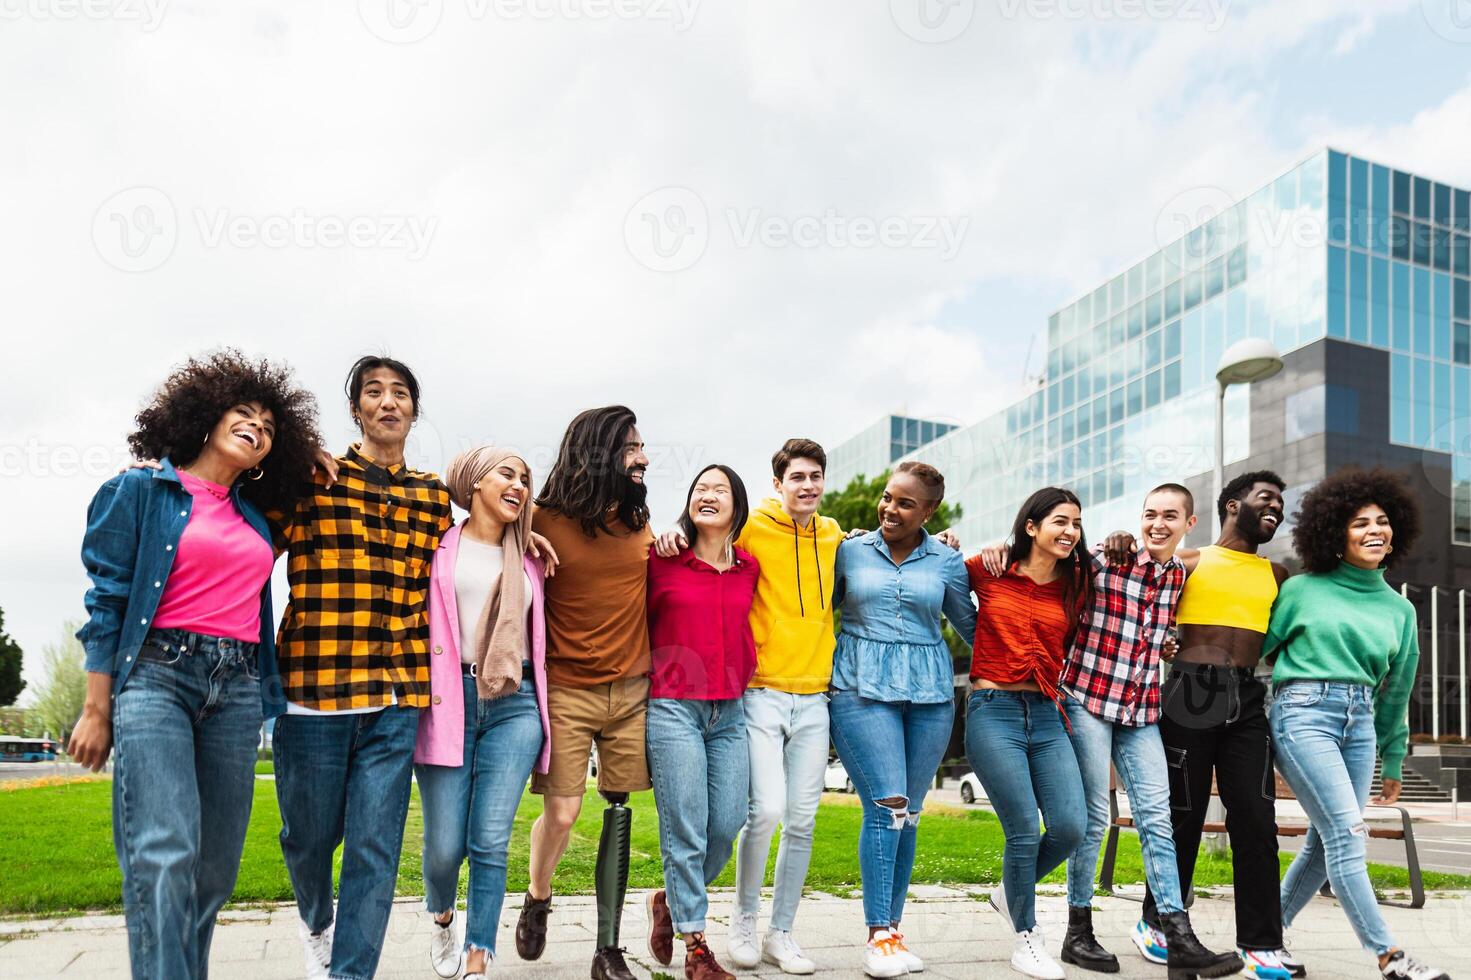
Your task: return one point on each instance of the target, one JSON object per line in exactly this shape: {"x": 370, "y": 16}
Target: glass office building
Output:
{"x": 880, "y": 446}
{"x": 1357, "y": 272}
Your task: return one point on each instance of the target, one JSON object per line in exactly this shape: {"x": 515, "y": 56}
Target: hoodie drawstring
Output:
{"x": 816, "y": 560}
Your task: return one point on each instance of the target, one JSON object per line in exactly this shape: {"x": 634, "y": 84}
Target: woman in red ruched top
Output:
{"x": 1015, "y": 733}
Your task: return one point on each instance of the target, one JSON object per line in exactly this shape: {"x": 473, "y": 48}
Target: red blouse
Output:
{"x": 1020, "y": 628}
{"x": 700, "y": 639}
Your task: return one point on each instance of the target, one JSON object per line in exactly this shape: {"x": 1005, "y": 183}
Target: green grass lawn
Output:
{"x": 58, "y": 856}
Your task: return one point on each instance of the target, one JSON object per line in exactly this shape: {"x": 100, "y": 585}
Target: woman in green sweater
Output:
{"x": 1344, "y": 646}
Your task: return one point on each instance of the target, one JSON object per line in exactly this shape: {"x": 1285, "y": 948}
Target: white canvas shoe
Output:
{"x": 445, "y": 951}
{"x": 881, "y": 958}
{"x": 740, "y": 942}
{"x": 317, "y": 947}
{"x": 1030, "y": 959}
{"x": 780, "y": 948}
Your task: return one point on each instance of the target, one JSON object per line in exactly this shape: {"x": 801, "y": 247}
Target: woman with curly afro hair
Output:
{"x": 179, "y": 640}
{"x": 1345, "y": 647}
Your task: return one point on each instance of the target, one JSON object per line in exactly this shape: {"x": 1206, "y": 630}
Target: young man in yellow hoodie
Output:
{"x": 785, "y": 704}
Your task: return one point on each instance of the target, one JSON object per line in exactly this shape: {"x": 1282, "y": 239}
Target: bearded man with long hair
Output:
{"x": 593, "y": 509}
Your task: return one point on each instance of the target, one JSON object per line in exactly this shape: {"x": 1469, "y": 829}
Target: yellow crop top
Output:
{"x": 1228, "y": 588}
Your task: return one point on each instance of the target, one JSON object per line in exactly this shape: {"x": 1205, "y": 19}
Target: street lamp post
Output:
{"x": 1245, "y": 361}
{"x": 1252, "y": 359}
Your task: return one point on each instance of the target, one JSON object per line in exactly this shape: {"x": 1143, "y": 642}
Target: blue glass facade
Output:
{"x": 1336, "y": 248}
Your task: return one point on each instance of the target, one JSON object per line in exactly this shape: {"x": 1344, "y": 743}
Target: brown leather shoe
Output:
{"x": 700, "y": 964}
{"x": 608, "y": 964}
{"x": 531, "y": 927}
{"x": 661, "y": 928}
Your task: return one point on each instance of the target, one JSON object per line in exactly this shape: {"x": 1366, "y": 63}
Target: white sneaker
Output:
{"x": 445, "y": 951}
{"x": 1029, "y": 958}
{"x": 1402, "y": 967}
{"x": 780, "y": 948}
{"x": 740, "y": 942}
{"x": 1001, "y": 904}
{"x": 912, "y": 962}
{"x": 318, "y": 949}
{"x": 881, "y": 957}
{"x": 1151, "y": 943}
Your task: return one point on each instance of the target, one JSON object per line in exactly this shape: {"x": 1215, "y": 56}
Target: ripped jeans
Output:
{"x": 891, "y": 750}
{"x": 1324, "y": 735}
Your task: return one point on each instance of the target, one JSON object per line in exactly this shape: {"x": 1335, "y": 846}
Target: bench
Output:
{"x": 1405, "y": 832}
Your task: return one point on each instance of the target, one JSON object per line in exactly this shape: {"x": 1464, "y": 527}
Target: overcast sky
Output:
{"x": 747, "y": 221}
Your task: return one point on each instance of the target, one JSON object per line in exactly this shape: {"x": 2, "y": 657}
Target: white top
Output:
{"x": 478, "y": 567}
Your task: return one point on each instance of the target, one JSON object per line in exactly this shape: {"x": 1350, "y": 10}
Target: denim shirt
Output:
{"x": 133, "y": 528}
{"x": 890, "y": 647}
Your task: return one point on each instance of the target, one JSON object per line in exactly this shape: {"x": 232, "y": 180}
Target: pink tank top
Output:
{"x": 219, "y": 569}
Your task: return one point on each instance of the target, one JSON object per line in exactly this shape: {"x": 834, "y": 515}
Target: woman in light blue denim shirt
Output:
{"x": 893, "y": 690}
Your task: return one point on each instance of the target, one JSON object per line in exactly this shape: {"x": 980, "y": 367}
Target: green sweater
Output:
{"x": 1348, "y": 625}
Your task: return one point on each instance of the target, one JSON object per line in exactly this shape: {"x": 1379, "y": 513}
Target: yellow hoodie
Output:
{"x": 792, "y": 616}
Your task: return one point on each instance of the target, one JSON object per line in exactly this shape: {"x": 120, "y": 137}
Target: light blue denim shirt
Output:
{"x": 890, "y": 647}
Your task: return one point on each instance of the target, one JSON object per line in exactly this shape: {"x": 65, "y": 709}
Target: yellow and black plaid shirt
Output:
{"x": 356, "y": 630}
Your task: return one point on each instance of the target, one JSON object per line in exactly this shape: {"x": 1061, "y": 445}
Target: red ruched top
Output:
{"x": 1020, "y": 628}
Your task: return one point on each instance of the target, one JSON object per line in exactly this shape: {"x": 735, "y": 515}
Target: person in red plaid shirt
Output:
{"x": 1110, "y": 689}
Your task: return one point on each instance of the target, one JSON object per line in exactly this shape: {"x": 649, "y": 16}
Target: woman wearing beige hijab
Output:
{"x": 486, "y": 726}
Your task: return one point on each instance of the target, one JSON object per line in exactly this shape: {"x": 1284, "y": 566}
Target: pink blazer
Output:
{"x": 441, "y": 739}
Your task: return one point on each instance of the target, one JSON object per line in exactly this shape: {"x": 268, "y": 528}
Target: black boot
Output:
{"x": 1081, "y": 948}
{"x": 1188, "y": 959}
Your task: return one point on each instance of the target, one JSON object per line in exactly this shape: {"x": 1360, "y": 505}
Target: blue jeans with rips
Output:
{"x": 891, "y": 750}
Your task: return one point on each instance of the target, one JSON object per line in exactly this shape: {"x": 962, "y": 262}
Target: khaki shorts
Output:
{"x": 612, "y": 715}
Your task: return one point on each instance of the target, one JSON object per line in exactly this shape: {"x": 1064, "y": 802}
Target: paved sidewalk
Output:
{"x": 955, "y": 931}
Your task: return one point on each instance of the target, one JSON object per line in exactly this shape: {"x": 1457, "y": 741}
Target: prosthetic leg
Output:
{"x": 611, "y": 876}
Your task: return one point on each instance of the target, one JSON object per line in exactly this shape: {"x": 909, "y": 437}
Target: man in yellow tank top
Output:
{"x": 1213, "y": 713}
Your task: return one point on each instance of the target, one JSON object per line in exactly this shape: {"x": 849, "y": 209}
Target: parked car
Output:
{"x": 836, "y": 780}
{"x": 970, "y": 788}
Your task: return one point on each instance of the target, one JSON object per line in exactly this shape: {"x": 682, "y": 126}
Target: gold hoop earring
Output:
{"x": 256, "y": 473}
{"x": 1389, "y": 550}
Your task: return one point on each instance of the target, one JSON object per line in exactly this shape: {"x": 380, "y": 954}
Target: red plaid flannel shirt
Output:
{"x": 1113, "y": 666}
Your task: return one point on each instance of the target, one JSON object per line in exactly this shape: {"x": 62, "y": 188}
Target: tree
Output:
{"x": 59, "y": 703}
{"x": 856, "y": 505}
{"x": 11, "y": 683}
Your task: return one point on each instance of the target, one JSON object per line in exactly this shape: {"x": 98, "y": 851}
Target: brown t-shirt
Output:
{"x": 597, "y": 603}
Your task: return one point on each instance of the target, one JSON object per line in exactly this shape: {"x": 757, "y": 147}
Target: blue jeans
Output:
{"x": 700, "y": 765}
{"x": 185, "y": 728}
{"x": 1139, "y": 755}
{"x": 1324, "y": 736}
{"x": 891, "y": 750}
{"x": 1019, "y": 749}
{"x": 788, "y": 738}
{"x": 469, "y": 809}
{"x": 344, "y": 779}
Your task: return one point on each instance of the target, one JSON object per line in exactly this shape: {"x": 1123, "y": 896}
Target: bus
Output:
{"x": 16, "y": 749}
